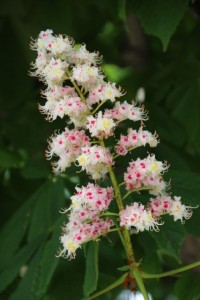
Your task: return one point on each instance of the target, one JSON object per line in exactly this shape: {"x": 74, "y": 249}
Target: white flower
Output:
{"x": 106, "y": 91}
{"x": 138, "y": 217}
{"x": 82, "y": 56}
{"x": 95, "y": 160}
{"x": 100, "y": 126}
{"x": 62, "y": 46}
{"x": 54, "y": 72}
{"x": 85, "y": 73}
{"x": 179, "y": 211}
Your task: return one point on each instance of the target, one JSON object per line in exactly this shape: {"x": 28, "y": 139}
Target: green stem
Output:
{"x": 116, "y": 189}
{"x": 126, "y": 235}
{"x": 120, "y": 234}
{"x": 137, "y": 275}
{"x": 120, "y": 121}
{"x": 110, "y": 287}
{"x": 95, "y": 110}
{"x": 109, "y": 214}
{"x": 115, "y": 156}
{"x": 137, "y": 190}
{"x": 173, "y": 272}
{"x": 77, "y": 88}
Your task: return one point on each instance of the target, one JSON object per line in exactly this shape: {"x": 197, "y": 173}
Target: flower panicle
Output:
{"x": 76, "y": 91}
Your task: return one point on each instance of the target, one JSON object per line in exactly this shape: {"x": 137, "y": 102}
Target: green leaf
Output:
{"x": 109, "y": 291}
{"x": 122, "y": 9}
{"x": 27, "y": 288}
{"x": 67, "y": 281}
{"x": 36, "y": 168}
{"x": 92, "y": 272}
{"x": 17, "y": 261}
{"x": 170, "y": 237}
{"x": 122, "y": 12}
{"x": 150, "y": 259}
{"x": 13, "y": 232}
{"x": 124, "y": 268}
{"x": 187, "y": 112}
{"x": 116, "y": 73}
{"x": 10, "y": 159}
{"x": 187, "y": 185}
{"x": 188, "y": 287}
{"x": 161, "y": 120}
{"x": 160, "y": 18}
{"x": 41, "y": 210}
{"x": 49, "y": 261}
{"x": 49, "y": 200}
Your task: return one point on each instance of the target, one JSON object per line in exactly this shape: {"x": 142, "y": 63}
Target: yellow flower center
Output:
{"x": 82, "y": 160}
{"x": 154, "y": 166}
{"x": 70, "y": 246}
{"x": 106, "y": 124}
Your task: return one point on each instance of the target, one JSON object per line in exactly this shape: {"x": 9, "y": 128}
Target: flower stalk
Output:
{"x": 171, "y": 272}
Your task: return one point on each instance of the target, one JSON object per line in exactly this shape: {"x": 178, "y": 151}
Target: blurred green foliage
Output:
{"x": 151, "y": 44}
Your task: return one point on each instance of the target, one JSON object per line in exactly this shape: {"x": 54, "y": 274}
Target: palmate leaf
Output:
{"x": 150, "y": 260}
{"x": 170, "y": 237}
{"x": 92, "y": 272}
{"x": 14, "y": 231}
{"x": 187, "y": 185}
{"x": 188, "y": 287}
{"x": 41, "y": 211}
{"x": 27, "y": 288}
{"x": 67, "y": 281}
{"x": 17, "y": 261}
{"x": 48, "y": 261}
{"x": 50, "y": 199}
{"x": 160, "y": 18}
{"x": 10, "y": 159}
{"x": 44, "y": 263}
{"x": 41, "y": 268}
{"x": 188, "y": 113}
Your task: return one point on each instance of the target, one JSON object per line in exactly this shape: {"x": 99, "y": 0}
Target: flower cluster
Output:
{"x": 103, "y": 92}
{"x": 138, "y": 217}
{"x": 85, "y": 222}
{"x": 76, "y": 90}
{"x": 141, "y": 218}
{"x": 146, "y": 173}
{"x": 67, "y": 146}
{"x": 125, "y": 111}
{"x": 95, "y": 160}
{"x": 135, "y": 139}
{"x": 165, "y": 204}
{"x": 64, "y": 101}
